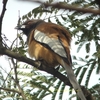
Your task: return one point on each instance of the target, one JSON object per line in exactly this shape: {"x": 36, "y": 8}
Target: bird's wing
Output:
{"x": 51, "y": 43}
{"x": 55, "y": 38}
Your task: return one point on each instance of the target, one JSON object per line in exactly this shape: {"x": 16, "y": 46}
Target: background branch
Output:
{"x": 67, "y": 7}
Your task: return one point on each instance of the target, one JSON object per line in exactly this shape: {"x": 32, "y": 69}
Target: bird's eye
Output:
{"x": 29, "y": 23}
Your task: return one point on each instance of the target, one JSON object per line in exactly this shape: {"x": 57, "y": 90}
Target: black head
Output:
{"x": 29, "y": 25}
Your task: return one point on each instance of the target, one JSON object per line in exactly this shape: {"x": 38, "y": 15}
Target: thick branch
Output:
{"x": 67, "y": 7}
{"x": 36, "y": 64}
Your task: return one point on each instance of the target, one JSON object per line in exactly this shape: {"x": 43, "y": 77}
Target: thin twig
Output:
{"x": 16, "y": 80}
{"x": 2, "y": 14}
{"x": 10, "y": 90}
{"x": 20, "y": 92}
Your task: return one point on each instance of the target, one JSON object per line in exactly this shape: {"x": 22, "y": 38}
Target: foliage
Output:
{"x": 84, "y": 28}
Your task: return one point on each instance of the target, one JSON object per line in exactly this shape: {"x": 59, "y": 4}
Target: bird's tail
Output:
{"x": 72, "y": 79}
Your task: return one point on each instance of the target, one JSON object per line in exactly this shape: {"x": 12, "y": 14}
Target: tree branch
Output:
{"x": 10, "y": 90}
{"x": 2, "y": 14}
{"x": 36, "y": 64}
{"x": 67, "y": 7}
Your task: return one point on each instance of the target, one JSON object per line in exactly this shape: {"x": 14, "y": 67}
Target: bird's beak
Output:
{"x": 20, "y": 27}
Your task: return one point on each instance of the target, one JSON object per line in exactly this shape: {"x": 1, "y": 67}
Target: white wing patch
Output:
{"x": 54, "y": 44}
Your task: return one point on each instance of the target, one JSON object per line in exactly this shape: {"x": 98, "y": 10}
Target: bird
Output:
{"x": 50, "y": 43}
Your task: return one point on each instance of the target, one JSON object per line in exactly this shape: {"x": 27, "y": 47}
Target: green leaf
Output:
{"x": 89, "y": 73}
{"x": 29, "y": 14}
{"x": 82, "y": 75}
{"x": 80, "y": 46}
{"x": 77, "y": 71}
{"x": 87, "y": 56}
{"x": 56, "y": 90}
{"x": 88, "y": 47}
{"x": 64, "y": 18}
{"x": 74, "y": 57}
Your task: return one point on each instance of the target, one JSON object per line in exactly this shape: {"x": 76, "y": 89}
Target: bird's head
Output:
{"x": 29, "y": 25}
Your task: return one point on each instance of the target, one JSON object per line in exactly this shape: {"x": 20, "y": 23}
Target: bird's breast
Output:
{"x": 39, "y": 52}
